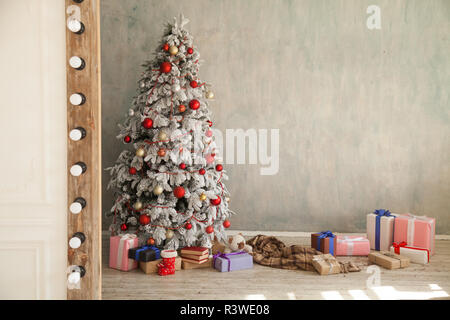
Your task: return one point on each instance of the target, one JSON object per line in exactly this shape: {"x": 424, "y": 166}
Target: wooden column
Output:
{"x": 87, "y": 150}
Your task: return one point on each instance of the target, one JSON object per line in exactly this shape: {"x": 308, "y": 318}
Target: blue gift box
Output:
{"x": 225, "y": 262}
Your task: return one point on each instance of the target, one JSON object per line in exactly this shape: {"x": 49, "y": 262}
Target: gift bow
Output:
{"x": 403, "y": 244}
{"x": 397, "y": 246}
{"x": 225, "y": 256}
{"x": 323, "y": 235}
{"x": 157, "y": 254}
{"x": 380, "y": 213}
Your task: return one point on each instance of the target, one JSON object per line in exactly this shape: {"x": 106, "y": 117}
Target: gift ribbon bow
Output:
{"x": 225, "y": 256}
{"x": 157, "y": 256}
{"x": 323, "y": 235}
{"x": 403, "y": 244}
{"x": 397, "y": 246}
{"x": 380, "y": 213}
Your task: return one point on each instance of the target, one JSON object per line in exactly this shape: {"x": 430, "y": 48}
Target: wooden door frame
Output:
{"x": 88, "y": 150}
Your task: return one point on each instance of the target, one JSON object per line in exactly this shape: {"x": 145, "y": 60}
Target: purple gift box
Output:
{"x": 225, "y": 262}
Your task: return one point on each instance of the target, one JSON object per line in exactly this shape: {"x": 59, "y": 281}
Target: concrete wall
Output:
{"x": 364, "y": 115}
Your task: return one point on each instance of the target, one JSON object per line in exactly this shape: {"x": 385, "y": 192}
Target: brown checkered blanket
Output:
{"x": 269, "y": 251}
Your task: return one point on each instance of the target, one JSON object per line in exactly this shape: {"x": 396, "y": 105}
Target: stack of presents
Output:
{"x": 393, "y": 241}
{"x": 125, "y": 254}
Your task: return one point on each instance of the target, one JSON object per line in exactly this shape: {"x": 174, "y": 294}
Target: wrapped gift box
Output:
{"x": 188, "y": 265}
{"x": 226, "y": 262}
{"x": 389, "y": 260}
{"x": 415, "y": 254}
{"x": 145, "y": 253}
{"x": 152, "y": 266}
{"x": 326, "y": 264}
{"x": 352, "y": 246}
{"x": 118, "y": 252}
{"x": 416, "y": 231}
{"x": 380, "y": 229}
{"x": 324, "y": 241}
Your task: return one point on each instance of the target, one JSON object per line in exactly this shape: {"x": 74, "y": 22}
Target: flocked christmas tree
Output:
{"x": 169, "y": 187}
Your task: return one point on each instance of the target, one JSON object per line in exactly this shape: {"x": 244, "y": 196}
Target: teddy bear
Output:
{"x": 237, "y": 244}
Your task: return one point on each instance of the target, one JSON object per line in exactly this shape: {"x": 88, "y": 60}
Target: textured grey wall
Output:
{"x": 364, "y": 115}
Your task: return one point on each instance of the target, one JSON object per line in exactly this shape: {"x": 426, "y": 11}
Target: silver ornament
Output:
{"x": 131, "y": 112}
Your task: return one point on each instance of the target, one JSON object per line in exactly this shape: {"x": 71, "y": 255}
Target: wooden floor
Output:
{"x": 431, "y": 281}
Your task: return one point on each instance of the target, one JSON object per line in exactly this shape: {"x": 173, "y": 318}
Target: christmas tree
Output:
{"x": 169, "y": 188}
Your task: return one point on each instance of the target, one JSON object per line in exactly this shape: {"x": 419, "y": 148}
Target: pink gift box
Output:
{"x": 118, "y": 252}
{"x": 416, "y": 231}
{"x": 352, "y": 246}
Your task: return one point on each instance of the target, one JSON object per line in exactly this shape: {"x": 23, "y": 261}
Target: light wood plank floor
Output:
{"x": 431, "y": 281}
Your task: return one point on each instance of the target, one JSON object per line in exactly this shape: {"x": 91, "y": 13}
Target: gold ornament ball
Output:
{"x": 138, "y": 205}
{"x": 227, "y": 199}
{"x": 173, "y": 50}
{"x": 203, "y": 197}
{"x": 140, "y": 152}
{"x": 169, "y": 234}
{"x": 157, "y": 190}
{"x": 162, "y": 136}
{"x": 209, "y": 95}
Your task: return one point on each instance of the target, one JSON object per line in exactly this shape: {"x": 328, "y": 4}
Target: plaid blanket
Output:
{"x": 269, "y": 251}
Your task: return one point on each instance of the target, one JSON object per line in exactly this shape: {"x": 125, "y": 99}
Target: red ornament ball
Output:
{"x": 226, "y": 224}
{"x": 144, "y": 219}
{"x": 202, "y": 171}
{"x": 209, "y": 229}
{"x": 132, "y": 170}
{"x": 165, "y": 47}
{"x": 182, "y": 166}
{"x": 179, "y": 192}
{"x": 188, "y": 226}
{"x": 209, "y": 133}
{"x": 194, "y": 84}
{"x": 182, "y": 108}
{"x": 127, "y": 139}
{"x": 215, "y": 202}
{"x": 123, "y": 227}
{"x": 219, "y": 167}
{"x": 210, "y": 123}
{"x": 194, "y": 104}
{"x": 190, "y": 51}
{"x": 147, "y": 123}
{"x": 165, "y": 67}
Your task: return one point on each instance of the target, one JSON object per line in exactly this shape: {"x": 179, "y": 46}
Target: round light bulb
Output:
{"x": 75, "y": 243}
{"x": 77, "y": 99}
{"x": 74, "y": 277}
{"x": 74, "y": 25}
{"x": 77, "y": 169}
{"x": 76, "y": 62}
{"x": 77, "y": 134}
{"x": 75, "y": 207}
